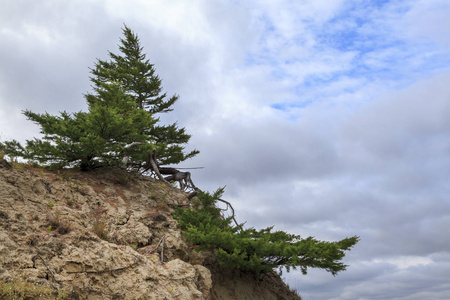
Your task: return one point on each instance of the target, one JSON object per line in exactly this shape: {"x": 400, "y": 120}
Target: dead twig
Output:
{"x": 138, "y": 260}
{"x": 161, "y": 242}
{"x": 152, "y": 161}
{"x": 162, "y": 249}
{"x": 48, "y": 268}
{"x": 196, "y": 168}
{"x": 232, "y": 211}
{"x": 177, "y": 204}
{"x": 192, "y": 195}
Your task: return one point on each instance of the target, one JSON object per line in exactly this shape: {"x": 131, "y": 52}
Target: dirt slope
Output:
{"x": 108, "y": 235}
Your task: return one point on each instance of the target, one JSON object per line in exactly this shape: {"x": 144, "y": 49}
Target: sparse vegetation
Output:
{"x": 56, "y": 222}
{"x": 294, "y": 291}
{"x": 99, "y": 228}
{"x": 17, "y": 165}
{"x": 161, "y": 205}
{"x": 20, "y": 289}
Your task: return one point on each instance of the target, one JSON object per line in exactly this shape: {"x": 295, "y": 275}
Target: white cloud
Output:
{"x": 403, "y": 262}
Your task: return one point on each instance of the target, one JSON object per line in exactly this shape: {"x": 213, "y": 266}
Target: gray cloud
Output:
{"x": 361, "y": 157}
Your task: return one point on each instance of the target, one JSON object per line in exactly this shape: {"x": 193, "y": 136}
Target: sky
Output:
{"x": 324, "y": 118}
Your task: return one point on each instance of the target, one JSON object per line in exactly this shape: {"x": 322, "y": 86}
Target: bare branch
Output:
{"x": 192, "y": 195}
{"x": 137, "y": 261}
{"x": 48, "y": 268}
{"x": 232, "y": 211}
{"x": 152, "y": 161}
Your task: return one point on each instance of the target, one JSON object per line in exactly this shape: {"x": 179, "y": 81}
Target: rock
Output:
{"x": 133, "y": 233}
{"x": 134, "y": 218}
{"x": 204, "y": 280}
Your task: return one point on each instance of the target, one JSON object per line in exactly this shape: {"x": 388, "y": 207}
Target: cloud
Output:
{"x": 327, "y": 119}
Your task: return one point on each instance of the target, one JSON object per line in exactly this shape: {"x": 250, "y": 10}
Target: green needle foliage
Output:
{"x": 139, "y": 81}
{"x": 257, "y": 250}
{"x": 126, "y": 96}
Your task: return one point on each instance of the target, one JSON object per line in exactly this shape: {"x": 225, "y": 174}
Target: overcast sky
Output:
{"x": 328, "y": 118}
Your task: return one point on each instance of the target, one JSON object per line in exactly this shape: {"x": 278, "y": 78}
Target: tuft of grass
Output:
{"x": 56, "y": 222}
{"x": 124, "y": 179}
{"x": 293, "y": 291}
{"x": 161, "y": 205}
{"x": 19, "y": 166}
{"x": 20, "y": 289}
{"x": 99, "y": 228}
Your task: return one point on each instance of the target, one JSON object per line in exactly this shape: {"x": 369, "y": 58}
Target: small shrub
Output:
{"x": 33, "y": 164}
{"x": 51, "y": 204}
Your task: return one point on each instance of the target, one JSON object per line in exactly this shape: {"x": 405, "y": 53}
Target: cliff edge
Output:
{"x": 108, "y": 235}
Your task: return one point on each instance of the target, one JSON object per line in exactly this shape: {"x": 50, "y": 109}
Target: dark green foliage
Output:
{"x": 122, "y": 106}
{"x": 257, "y": 250}
{"x": 89, "y": 140}
{"x": 138, "y": 79}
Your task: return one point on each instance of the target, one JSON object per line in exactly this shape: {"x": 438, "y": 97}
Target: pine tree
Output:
{"x": 88, "y": 140}
{"x": 257, "y": 250}
{"x": 137, "y": 76}
{"x": 122, "y": 106}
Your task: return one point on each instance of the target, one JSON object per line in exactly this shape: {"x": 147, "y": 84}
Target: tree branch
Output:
{"x": 152, "y": 161}
{"x": 48, "y": 268}
{"x": 161, "y": 242}
{"x": 232, "y": 211}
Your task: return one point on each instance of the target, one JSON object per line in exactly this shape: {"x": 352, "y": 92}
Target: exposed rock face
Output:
{"x": 108, "y": 236}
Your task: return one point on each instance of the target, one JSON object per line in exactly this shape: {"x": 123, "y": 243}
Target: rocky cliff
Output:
{"x": 108, "y": 235}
